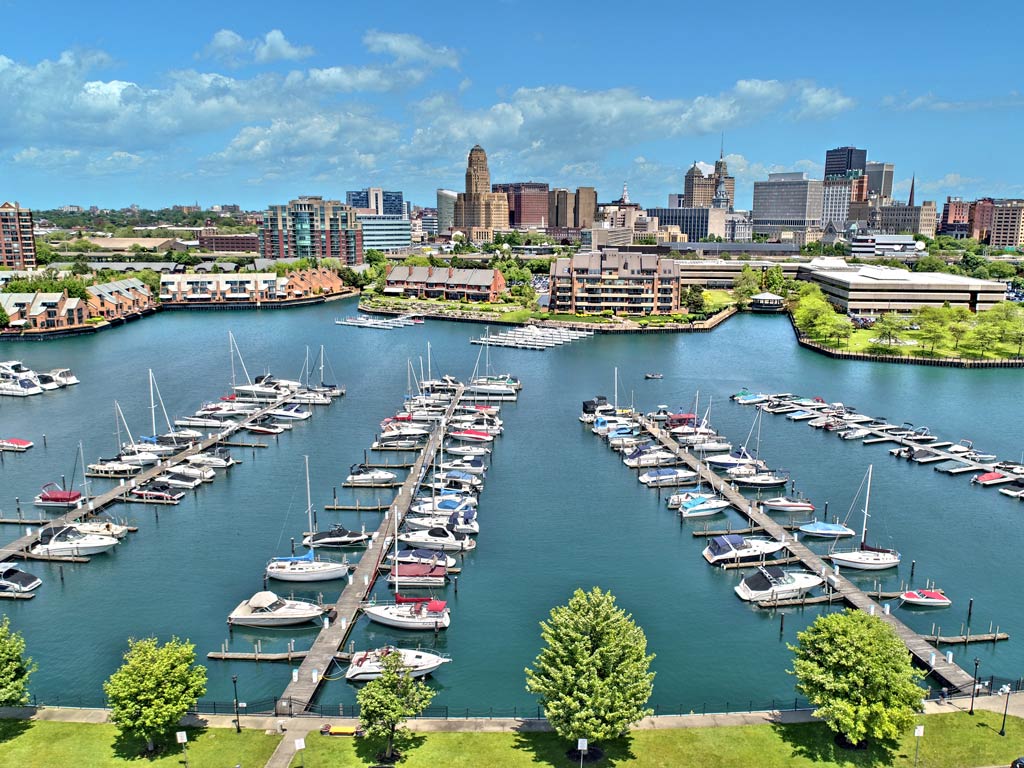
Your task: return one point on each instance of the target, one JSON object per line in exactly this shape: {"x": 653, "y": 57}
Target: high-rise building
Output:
{"x": 787, "y": 202}
{"x": 478, "y": 210}
{"x": 527, "y": 202}
{"x": 955, "y": 211}
{"x": 696, "y": 223}
{"x": 586, "y": 207}
{"x": 381, "y": 202}
{"x": 561, "y": 208}
{"x": 699, "y": 190}
{"x": 879, "y": 178}
{"x": 311, "y": 227}
{"x": 385, "y": 233}
{"x": 979, "y": 219}
{"x": 446, "y": 210}
{"x": 17, "y": 244}
{"x": 836, "y": 195}
{"x": 842, "y": 159}
{"x": 898, "y": 219}
{"x": 1007, "y": 224}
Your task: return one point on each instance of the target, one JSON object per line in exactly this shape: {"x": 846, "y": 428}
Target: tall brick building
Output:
{"x": 17, "y": 244}
{"x": 311, "y": 227}
{"x": 527, "y": 202}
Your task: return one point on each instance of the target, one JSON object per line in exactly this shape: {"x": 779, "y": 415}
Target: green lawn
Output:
{"x": 860, "y": 341}
{"x": 718, "y": 298}
{"x": 44, "y": 744}
{"x": 954, "y": 740}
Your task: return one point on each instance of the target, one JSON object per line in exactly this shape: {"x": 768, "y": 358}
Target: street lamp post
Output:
{"x": 1005, "y": 690}
{"x": 974, "y": 687}
{"x": 238, "y": 722}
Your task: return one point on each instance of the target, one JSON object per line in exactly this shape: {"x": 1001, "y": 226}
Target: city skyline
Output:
{"x": 262, "y": 108}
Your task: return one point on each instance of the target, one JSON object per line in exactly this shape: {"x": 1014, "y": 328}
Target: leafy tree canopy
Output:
{"x": 391, "y": 699}
{"x": 15, "y": 668}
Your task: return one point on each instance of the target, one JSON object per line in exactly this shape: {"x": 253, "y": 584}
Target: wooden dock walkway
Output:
{"x": 299, "y": 693}
{"x": 925, "y": 654}
{"x": 20, "y": 546}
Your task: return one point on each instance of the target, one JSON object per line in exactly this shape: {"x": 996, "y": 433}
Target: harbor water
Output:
{"x": 559, "y": 510}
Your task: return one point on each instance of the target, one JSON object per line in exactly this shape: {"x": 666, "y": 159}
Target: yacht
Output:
{"x": 335, "y": 536}
{"x": 416, "y": 613}
{"x": 266, "y": 609}
{"x": 698, "y": 504}
{"x": 360, "y": 474}
{"x": 64, "y": 377}
{"x": 459, "y": 522}
{"x": 446, "y": 504}
{"x": 473, "y": 466}
{"x": 428, "y": 556}
{"x": 20, "y": 387}
{"x": 66, "y": 540}
{"x": 470, "y": 436}
{"x": 15, "y": 580}
{"x": 306, "y": 568}
{"x": 658, "y": 457}
{"x": 773, "y": 583}
{"x": 468, "y": 451}
{"x": 471, "y": 481}
{"x": 733, "y": 548}
{"x": 441, "y": 538}
{"x": 47, "y": 382}
{"x": 665, "y": 477}
{"x": 787, "y": 504}
{"x": 101, "y": 528}
{"x": 291, "y": 411}
{"x": 175, "y": 480}
{"x": 216, "y": 458}
{"x": 369, "y": 665}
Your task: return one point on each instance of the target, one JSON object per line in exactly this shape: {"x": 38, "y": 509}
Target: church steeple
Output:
{"x": 721, "y": 169}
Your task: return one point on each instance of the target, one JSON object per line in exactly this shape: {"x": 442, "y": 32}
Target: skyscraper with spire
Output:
{"x": 478, "y": 210}
{"x": 700, "y": 191}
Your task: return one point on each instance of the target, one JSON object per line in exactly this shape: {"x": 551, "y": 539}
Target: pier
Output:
{"x": 317, "y": 661}
{"x": 924, "y": 653}
{"x": 20, "y": 547}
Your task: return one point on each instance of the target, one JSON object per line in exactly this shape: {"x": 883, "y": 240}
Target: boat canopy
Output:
{"x": 765, "y": 578}
{"x": 263, "y": 600}
{"x": 437, "y": 606}
{"x": 306, "y": 558}
{"x": 728, "y": 543}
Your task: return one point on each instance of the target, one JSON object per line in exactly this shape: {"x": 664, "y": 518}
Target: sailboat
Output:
{"x": 866, "y": 558}
{"x": 307, "y": 567}
{"x": 133, "y": 452}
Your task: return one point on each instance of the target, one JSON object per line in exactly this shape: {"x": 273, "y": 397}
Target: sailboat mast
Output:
{"x": 85, "y": 476}
{"x": 867, "y": 501}
{"x": 321, "y": 365}
{"x": 309, "y": 499}
{"x": 616, "y": 389}
{"x": 152, "y": 405}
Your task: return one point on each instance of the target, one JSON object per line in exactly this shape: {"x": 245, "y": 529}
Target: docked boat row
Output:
{"x": 532, "y": 337}
{"x": 914, "y": 443}
{"x": 18, "y": 380}
{"x": 380, "y": 323}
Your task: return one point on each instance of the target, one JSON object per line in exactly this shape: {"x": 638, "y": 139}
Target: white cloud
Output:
{"x": 948, "y": 183}
{"x": 274, "y": 47}
{"x": 822, "y": 102}
{"x": 406, "y": 48}
{"x": 932, "y": 103}
{"x": 45, "y": 158}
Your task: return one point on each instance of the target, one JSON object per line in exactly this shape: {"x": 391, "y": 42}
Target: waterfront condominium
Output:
{"x": 17, "y": 244}
{"x": 311, "y": 227}
{"x": 381, "y": 201}
{"x": 610, "y": 280}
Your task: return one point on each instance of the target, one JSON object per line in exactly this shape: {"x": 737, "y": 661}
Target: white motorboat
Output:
{"x": 466, "y": 479}
{"x": 787, "y": 504}
{"x": 414, "y": 613}
{"x": 102, "y": 528}
{"x": 470, "y": 436}
{"x": 113, "y": 469}
{"x": 733, "y": 548}
{"x": 441, "y": 538}
{"x": 658, "y": 457}
{"x": 865, "y": 557}
{"x": 417, "y": 575}
{"x": 64, "y": 377}
{"x": 469, "y": 451}
{"x": 698, "y": 504}
{"x": 20, "y": 387}
{"x": 472, "y": 466}
{"x": 369, "y": 665}
{"x": 427, "y": 556}
{"x": 667, "y": 477}
{"x": 47, "y": 382}
{"x": 66, "y": 540}
{"x": 291, "y": 411}
{"x": 459, "y": 522}
{"x": 445, "y": 504}
{"x": 266, "y": 609}
{"x": 360, "y": 474}
{"x": 159, "y": 493}
{"x": 707, "y": 444}
{"x": 857, "y": 433}
{"x": 216, "y": 458}
{"x": 175, "y": 480}
{"x": 15, "y": 580}
{"x": 311, "y": 397}
{"x": 146, "y": 446}
{"x": 965, "y": 450}
{"x": 761, "y": 480}
{"x": 771, "y": 582}
{"x": 335, "y": 536}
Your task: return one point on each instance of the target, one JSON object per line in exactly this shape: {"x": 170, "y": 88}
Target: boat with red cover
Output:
{"x": 52, "y": 495}
{"x": 991, "y": 478}
{"x": 930, "y": 598}
{"x": 415, "y": 613}
{"x": 15, "y": 444}
{"x": 418, "y": 575}
{"x": 471, "y": 436}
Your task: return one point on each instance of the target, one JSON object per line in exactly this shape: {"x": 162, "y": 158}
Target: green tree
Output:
{"x": 80, "y": 267}
{"x": 417, "y": 261}
{"x": 5, "y": 319}
{"x": 694, "y": 300}
{"x": 813, "y": 313}
{"x": 930, "y": 263}
{"x": 391, "y": 699}
{"x": 775, "y": 281}
{"x": 746, "y": 284}
{"x": 958, "y": 329}
{"x": 593, "y": 676}
{"x": 857, "y": 673}
{"x": 888, "y": 328}
{"x": 374, "y": 257}
{"x": 1014, "y": 333}
{"x": 155, "y": 687}
{"x": 15, "y": 669}
{"x": 932, "y": 333}
{"x": 1000, "y": 270}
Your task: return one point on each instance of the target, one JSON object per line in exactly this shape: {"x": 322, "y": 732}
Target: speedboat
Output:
{"x": 457, "y": 476}
{"x": 660, "y": 415}
{"x": 360, "y": 474}
{"x": 265, "y": 426}
{"x": 102, "y": 528}
{"x": 470, "y": 436}
{"x": 654, "y": 376}
{"x": 216, "y": 458}
{"x": 666, "y": 477}
{"x": 738, "y": 458}
{"x": 292, "y": 411}
{"x": 66, "y": 540}
{"x": 158, "y": 492}
{"x": 64, "y": 377}
{"x": 306, "y": 568}
{"x": 52, "y": 495}
{"x": 857, "y": 433}
{"x": 417, "y": 613}
{"x": 823, "y": 530}
{"x": 991, "y": 478}
{"x": 471, "y": 451}
{"x": 701, "y": 505}
{"x": 761, "y": 480}
{"x": 734, "y": 548}
{"x": 441, "y": 537}
{"x": 657, "y": 457}
{"x": 15, "y": 580}
{"x": 787, "y": 504}
{"x": 266, "y": 609}
{"x": 335, "y": 536}
{"x": 928, "y": 598}
{"x": 771, "y": 582}
{"x": 427, "y": 556}
{"x": 965, "y": 450}
{"x": 802, "y": 415}
{"x": 175, "y": 480}
{"x": 411, "y": 575}
{"x": 369, "y": 665}
{"x": 750, "y": 398}
{"x": 445, "y": 504}
{"x": 460, "y": 522}
{"x": 46, "y": 382}
{"x": 473, "y": 466}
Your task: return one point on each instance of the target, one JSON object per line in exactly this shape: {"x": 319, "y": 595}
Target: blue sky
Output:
{"x": 156, "y": 104}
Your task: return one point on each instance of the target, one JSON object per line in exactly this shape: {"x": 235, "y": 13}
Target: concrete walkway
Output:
{"x": 300, "y": 727}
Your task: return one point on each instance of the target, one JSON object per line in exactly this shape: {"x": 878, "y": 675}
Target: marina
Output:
{"x": 532, "y": 337}
{"x": 556, "y": 493}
